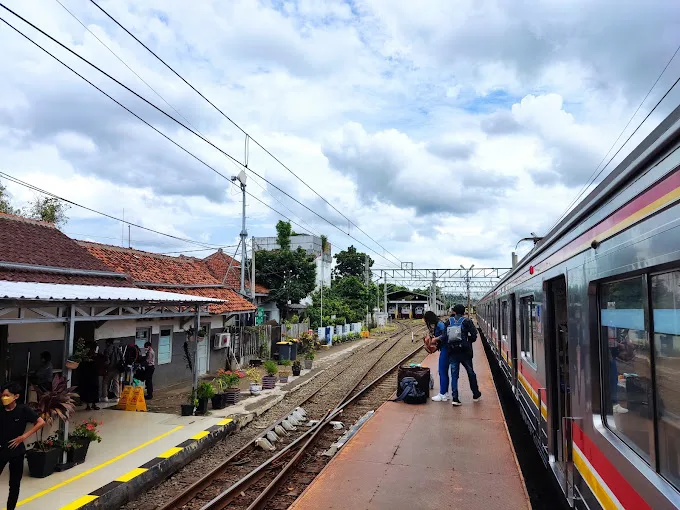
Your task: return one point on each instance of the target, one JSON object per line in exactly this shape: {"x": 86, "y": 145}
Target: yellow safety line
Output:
{"x": 80, "y": 502}
{"x": 169, "y": 453}
{"x": 131, "y": 474}
{"x": 97, "y": 468}
{"x": 225, "y": 422}
{"x": 200, "y": 435}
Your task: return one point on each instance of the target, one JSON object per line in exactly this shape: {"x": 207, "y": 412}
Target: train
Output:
{"x": 586, "y": 330}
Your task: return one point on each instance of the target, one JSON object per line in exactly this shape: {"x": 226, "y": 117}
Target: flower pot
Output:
{"x": 268, "y": 382}
{"x": 42, "y": 464}
{"x": 296, "y": 371}
{"x": 78, "y": 455}
{"x": 283, "y": 379}
{"x": 72, "y": 364}
{"x": 308, "y": 364}
{"x": 232, "y": 395}
{"x": 187, "y": 409}
{"x": 202, "y": 407}
{"x": 218, "y": 401}
{"x": 255, "y": 388}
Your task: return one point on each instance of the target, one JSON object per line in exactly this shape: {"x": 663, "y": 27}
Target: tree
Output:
{"x": 283, "y": 233}
{"x": 5, "y": 204}
{"x": 351, "y": 262}
{"x": 51, "y": 210}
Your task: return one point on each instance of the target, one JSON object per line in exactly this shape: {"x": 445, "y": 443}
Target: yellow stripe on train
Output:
{"x": 534, "y": 396}
{"x": 599, "y": 489}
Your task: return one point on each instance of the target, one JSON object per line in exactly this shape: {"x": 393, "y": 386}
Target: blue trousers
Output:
{"x": 466, "y": 361}
{"x": 443, "y": 370}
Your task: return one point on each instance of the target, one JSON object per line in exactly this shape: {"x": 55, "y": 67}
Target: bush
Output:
{"x": 205, "y": 390}
{"x": 271, "y": 367}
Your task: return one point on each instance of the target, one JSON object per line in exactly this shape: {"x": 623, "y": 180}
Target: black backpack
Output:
{"x": 409, "y": 392}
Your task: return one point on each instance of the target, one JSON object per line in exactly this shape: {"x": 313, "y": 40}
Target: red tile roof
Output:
{"x": 146, "y": 267}
{"x": 218, "y": 264}
{"x": 37, "y": 243}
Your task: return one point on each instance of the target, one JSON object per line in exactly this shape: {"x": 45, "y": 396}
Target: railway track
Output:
{"x": 252, "y": 475}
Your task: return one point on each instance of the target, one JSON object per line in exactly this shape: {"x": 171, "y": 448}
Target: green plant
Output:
{"x": 310, "y": 354}
{"x": 219, "y": 384}
{"x": 271, "y": 367}
{"x": 86, "y": 430}
{"x": 57, "y": 403}
{"x": 79, "y": 351}
{"x": 205, "y": 391}
{"x": 45, "y": 445}
{"x": 286, "y": 362}
{"x": 297, "y": 365}
{"x": 253, "y": 375}
{"x": 230, "y": 379}
{"x": 191, "y": 398}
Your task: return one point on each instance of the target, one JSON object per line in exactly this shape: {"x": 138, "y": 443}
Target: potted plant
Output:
{"x": 204, "y": 392}
{"x": 190, "y": 405}
{"x": 231, "y": 381}
{"x": 309, "y": 358}
{"x": 218, "y": 399}
{"x": 82, "y": 436}
{"x": 253, "y": 375}
{"x": 284, "y": 372}
{"x": 59, "y": 404}
{"x": 269, "y": 381}
{"x": 79, "y": 352}
{"x": 297, "y": 368}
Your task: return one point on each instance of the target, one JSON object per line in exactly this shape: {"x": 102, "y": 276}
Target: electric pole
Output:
{"x": 467, "y": 285}
{"x": 241, "y": 179}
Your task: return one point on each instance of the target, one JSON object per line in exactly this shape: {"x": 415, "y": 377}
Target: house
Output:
{"x": 228, "y": 270}
{"x": 184, "y": 275}
{"x": 54, "y": 291}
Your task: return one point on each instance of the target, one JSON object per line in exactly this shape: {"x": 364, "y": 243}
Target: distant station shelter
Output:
{"x": 404, "y": 304}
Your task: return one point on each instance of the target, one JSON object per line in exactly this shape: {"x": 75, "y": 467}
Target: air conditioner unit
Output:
{"x": 222, "y": 340}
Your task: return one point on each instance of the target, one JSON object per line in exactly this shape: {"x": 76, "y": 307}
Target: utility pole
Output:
{"x": 433, "y": 293}
{"x": 385, "y": 291}
{"x": 252, "y": 267}
{"x": 322, "y": 276}
{"x": 241, "y": 179}
{"x": 467, "y": 285}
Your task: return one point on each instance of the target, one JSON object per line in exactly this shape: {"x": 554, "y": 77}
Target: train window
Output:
{"x": 666, "y": 323}
{"x": 627, "y": 364}
{"x": 527, "y": 317}
{"x": 504, "y": 321}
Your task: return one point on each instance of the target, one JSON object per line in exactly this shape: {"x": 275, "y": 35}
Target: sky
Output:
{"x": 444, "y": 130}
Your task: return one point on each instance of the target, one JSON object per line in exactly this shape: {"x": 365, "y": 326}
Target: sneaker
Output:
{"x": 456, "y": 402}
{"x": 477, "y": 398}
{"x": 619, "y": 410}
{"x": 440, "y": 398}
{"x": 105, "y": 399}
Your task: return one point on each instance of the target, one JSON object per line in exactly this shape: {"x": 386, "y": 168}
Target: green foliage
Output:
{"x": 324, "y": 244}
{"x": 283, "y": 233}
{"x": 271, "y": 367}
{"x": 5, "y": 204}
{"x": 286, "y": 362}
{"x": 51, "y": 210}
{"x": 351, "y": 262}
{"x": 205, "y": 390}
{"x": 310, "y": 354}
{"x": 79, "y": 351}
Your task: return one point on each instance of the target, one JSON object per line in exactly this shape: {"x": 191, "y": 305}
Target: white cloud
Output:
{"x": 446, "y": 131}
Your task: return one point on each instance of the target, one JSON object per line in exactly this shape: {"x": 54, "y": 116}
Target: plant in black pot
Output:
{"x": 297, "y": 368}
{"x": 309, "y": 358}
{"x": 204, "y": 392}
{"x": 219, "y": 400}
{"x": 190, "y": 405}
{"x": 56, "y": 404}
{"x": 269, "y": 380}
{"x": 80, "y": 439}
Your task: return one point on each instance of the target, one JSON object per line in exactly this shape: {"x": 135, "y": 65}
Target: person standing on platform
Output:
{"x": 150, "y": 368}
{"x": 437, "y": 330}
{"x": 88, "y": 389}
{"x": 112, "y": 361}
{"x": 461, "y": 333}
{"x": 13, "y": 421}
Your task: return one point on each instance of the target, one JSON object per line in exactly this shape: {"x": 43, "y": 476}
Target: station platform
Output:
{"x": 136, "y": 447}
{"x": 433, "y": 456}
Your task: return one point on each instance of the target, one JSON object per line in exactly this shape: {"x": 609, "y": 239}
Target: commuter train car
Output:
{"x": 418, "y": 312}
{"x": 586, "y": 329}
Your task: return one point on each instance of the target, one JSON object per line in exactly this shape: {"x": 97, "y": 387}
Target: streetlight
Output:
{"x": 467, "y": 283}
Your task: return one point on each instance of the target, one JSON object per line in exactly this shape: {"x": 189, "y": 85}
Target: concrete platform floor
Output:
{"x": 433, "y": 456}
{"x": 130, "y": 440}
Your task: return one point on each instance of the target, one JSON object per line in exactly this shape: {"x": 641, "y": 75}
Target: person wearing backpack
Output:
{"x": 113, "y": 358}
{"x": 437, "y": 331}
{"x": 460, "y": 334}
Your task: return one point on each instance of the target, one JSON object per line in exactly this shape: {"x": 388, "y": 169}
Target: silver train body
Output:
{"x": 586, "y": 329}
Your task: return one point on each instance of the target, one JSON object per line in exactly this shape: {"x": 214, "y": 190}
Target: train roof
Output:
{"x": 666, "y": 134}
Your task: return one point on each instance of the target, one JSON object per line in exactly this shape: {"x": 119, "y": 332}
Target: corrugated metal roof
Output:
{"x": 61, "y": 292}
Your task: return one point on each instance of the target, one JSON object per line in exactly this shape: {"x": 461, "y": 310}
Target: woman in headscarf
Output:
{"x": 437, "y": 330}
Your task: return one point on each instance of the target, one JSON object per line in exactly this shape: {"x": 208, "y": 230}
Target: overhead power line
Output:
{"x": 241, "y": 129}
{"x": 592, "y": 179}
{"x": 174, "y": 120}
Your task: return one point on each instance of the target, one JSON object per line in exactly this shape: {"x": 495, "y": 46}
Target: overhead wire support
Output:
{"x": 165, "y": 114}
{"x": 240, "y": 128}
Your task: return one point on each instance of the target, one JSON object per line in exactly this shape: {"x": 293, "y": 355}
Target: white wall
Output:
{"x": 20, "y": 333}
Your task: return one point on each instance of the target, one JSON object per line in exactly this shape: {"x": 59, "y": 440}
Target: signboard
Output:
{"x": 132, "y": 399}
{"x": 259, "y": 317}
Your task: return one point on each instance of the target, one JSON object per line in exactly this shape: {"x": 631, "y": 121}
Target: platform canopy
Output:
{"x": 32, "y": 291}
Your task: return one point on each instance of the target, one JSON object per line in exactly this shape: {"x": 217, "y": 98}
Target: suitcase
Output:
{"x": 422, "y": 377}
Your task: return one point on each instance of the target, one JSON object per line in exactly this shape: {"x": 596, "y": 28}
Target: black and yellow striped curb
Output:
{"x": 124, "y": 488}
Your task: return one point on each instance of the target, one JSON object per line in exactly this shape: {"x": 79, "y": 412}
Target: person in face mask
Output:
{"x": 13, "y": 421}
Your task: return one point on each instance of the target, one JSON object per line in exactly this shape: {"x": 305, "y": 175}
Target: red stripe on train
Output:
{"x": 623, "y": 491}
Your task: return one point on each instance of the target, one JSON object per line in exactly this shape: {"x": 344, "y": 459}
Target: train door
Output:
{"x": 512, "y": 338}
{"x": 498, "y": 327}
{"x": 559, "y": 399}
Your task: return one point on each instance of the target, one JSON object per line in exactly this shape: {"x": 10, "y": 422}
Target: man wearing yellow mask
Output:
{"x": 13, "y": 421}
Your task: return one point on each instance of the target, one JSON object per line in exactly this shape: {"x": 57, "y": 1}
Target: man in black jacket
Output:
{"x": 461, "y": 354}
